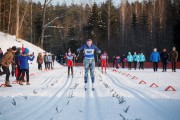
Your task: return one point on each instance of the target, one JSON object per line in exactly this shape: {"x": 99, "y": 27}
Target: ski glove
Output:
{"x": 78, "y": 51}
{"x": 99, "y": 51}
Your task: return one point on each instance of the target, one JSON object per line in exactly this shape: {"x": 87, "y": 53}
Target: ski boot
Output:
{"x": 93, "y": 87}
{"x": 27, "y": 83}
{"x": 85, "y": 86}
{"x": 20, "y": 83}
{"x": 7, "y": 83}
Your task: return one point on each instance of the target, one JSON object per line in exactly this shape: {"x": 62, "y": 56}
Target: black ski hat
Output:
{"x": 14, "y": 48}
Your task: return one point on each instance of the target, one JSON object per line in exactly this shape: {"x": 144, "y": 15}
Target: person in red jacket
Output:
{"x": 23, "y": 48}
{"x": 69, "y": 57}
{"x": 104, "y": 58}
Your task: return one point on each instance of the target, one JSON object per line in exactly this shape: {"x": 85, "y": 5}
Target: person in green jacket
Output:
{"x": 129, "y": 60}
{"x": 142, "y": 59}
{"x": 135, "y": 60}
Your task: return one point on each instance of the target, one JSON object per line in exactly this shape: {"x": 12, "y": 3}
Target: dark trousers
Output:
{"x": 173, "y": 66}
{"x": 24, "y": 71}
{"x": 40, "y": 66}
{"x": 70, "y": 68}
{"x": 129, "y": 65}
{"x": 164, "y": 63}
{"x": 141, "y": 65}
{"x": 135, "y": 65}
{"x": 155, "y": 66}
{"x": 49, "y": 65}
{"x": 46, "y": 65}
{"x": 53, "y": 63}
{"x": 114, "y": 64}
{"x": 123, "y": 64}
{"x": 12, "y": 73}
{"x": 13, "y": 66}
{"x": 7, "y": 72}
{"x": 117, "y": 65}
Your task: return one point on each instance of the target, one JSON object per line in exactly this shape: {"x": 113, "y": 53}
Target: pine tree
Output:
{"x": 143, "y": 36}
{"x": 92, "y": 24}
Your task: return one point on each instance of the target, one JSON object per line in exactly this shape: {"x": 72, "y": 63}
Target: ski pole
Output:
{"x": 107, "y": 62}
{"x": 97, "y": 61}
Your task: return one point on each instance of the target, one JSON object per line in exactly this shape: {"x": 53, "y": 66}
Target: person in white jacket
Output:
{"x": 50, "y": 61}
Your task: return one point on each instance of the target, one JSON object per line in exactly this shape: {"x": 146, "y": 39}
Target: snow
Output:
{"x": 53, "y": 96}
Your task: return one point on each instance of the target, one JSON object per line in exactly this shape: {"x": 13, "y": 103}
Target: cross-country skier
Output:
{"x": 89, "y": 61}
{"x": 69, "y": 57}
{"x": 104, "y": 58}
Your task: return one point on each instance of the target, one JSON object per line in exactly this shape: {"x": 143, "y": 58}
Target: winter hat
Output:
{"x": 14, "y": 48}
{"x": 174, "y": 48}
{"x": 104, "y": 52}
{"x": 26, "y": 51}
{"x": 69, "y": 50}
{"x": 155, "y": 49}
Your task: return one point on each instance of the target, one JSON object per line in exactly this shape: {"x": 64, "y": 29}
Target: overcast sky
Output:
{"x": 54, "y": 2}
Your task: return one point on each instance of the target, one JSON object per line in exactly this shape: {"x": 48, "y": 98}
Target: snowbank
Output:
{"x": 7, "y": 41}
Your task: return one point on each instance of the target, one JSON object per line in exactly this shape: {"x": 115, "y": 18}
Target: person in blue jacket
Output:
{"x": 135, "y": 60}
{"x": 129, "y": 60}
{"x": 89, "y": 61}
{"x": 155, "y": 58}
{"x": 24, "y": 65}
{"x": 142, "y": 59}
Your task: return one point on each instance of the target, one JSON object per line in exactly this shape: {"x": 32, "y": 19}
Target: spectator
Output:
{"x": 7, "y": 59}
{"x": 24, "y": 65}
{"x": 129, "y": 60}
{"x": 164, "y": 59}
{"x": 40, "y": 61}
{"x": 155, "y": 58}
{"x": 174, "y": 58}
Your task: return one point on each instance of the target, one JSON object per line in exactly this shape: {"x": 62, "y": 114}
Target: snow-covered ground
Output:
{"x": 53, "y": 96}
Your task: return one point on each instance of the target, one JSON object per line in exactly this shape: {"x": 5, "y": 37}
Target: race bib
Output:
{"x": 89, "y": 51}
{"x": 103, "y": 57}
{"x": 70, "y": 57}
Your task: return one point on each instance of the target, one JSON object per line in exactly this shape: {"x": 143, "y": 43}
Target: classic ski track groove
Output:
{"x": 137, "y": 94}
{"x": 45, "y": 82}
{"x": 91, "y": 103}
{"x": 65, "y": 83}
{"x": 36, "y": 86}
{"x": 65, "y": 89}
